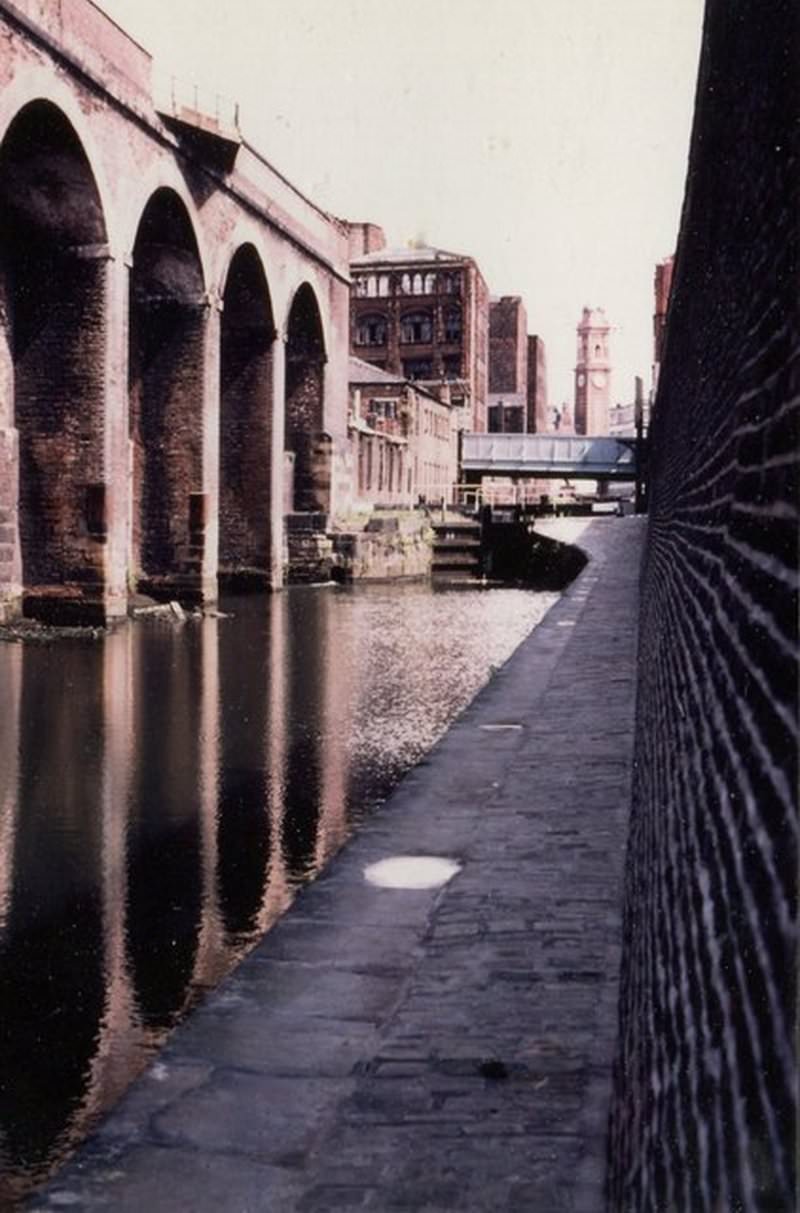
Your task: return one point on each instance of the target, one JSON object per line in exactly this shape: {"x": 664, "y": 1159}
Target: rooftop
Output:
{"x": 418, "y": 255}
{"x": 362, "y": 374}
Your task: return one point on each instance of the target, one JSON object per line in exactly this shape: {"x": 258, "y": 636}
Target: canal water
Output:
{"x": 165, "y": 790}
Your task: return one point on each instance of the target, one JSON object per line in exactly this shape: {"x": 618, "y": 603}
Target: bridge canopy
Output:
{"x": 542, "y": 455}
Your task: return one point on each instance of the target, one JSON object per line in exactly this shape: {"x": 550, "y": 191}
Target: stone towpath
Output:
{"x": 446, "y": 1049}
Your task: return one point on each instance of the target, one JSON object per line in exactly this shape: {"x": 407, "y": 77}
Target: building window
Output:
{"x": 430, "y": 284}
{"x": 371, "y": 330}
{"x": 416, "y": 328}
{"x": 417, "y": 368}
{"x": 382, "y": 410}
{"x": 405, "y": 284}
{"x": 451, "y": 284}
{"x": 451, "y": 365}
{"x": 383, "y": 285}
{"x": 360, "y": 287}
{"x": 452, "y": 324}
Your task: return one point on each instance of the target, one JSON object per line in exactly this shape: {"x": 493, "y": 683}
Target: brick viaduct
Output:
{"x": 172, "y": 320}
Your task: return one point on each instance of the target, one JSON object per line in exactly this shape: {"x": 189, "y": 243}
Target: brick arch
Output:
{"x": 308, "y": 287}
{"x": 305, "y": 402}
{"x": 247, "y": 355}
{"x": 38, "y": 87}
{"x": 166, "y": 376}
{"x": 53, "y": 328}
{"x": 164, "y": 176}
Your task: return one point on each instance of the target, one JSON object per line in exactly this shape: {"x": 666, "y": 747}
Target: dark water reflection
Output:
{"x": 164, "y": 791}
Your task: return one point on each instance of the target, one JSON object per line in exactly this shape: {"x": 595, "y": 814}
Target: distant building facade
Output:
{"x": 508, "y": 365}
{"x": 592, "y": 373}
{"x": 662, "y": 285}
{"x": 537, "y": 386}
{"x": 423, "y": 314}
{"x": 403, "y": 440}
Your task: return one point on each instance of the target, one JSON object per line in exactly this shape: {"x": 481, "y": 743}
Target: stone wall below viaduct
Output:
{"x": 703, "y": 1116}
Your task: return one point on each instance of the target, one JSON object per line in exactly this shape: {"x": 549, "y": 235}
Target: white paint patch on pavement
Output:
{"x": 411, "y": 872}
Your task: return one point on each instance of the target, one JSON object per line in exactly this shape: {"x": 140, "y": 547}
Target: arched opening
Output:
{"x": 52, "y": 362}
{"x": 167, "y": 352}
{"x": 416, "y": 328}
{"x": 163, "y": 856}
{"x": 371, "y": 329}
{"x": 305, "y": 391}
{"x": 452, "y": 325}
{"x": 246, "y": 363}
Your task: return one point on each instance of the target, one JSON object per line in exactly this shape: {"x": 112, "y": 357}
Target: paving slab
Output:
{"x": 433, "y": 1049}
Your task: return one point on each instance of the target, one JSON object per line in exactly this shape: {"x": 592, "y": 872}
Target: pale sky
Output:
{"x": 546, "y": 138}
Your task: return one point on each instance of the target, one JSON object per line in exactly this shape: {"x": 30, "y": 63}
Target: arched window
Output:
{"x": 430, "y": 284}
{"x": 597, "y": 350}
{"x": 371, "y": 330}
{"x": 452, "y": 324}
{"x": 416, "y": 328}
{"x": 405, "y": 284}
{"x": 383, "y": 285}
{"x": 360, "y": 287}
{"x": 372, "y": 286}
{"x": 418, "y": 284}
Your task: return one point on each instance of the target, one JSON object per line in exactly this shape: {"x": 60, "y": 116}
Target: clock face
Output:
{"x": 598, "y": 379}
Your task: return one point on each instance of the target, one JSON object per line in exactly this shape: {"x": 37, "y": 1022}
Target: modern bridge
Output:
{"x": 573, "y": 457}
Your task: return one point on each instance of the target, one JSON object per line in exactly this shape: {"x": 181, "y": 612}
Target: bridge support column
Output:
{"x": 112, "y": 498}
{"x": 204, "y": 506}
{"x": 277, "y": 530}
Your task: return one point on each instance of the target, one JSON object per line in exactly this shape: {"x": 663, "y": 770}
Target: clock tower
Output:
{"x": 592, "y": 374}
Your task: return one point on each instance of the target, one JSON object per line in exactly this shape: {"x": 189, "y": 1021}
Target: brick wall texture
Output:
{"x": 703, "y": 1115}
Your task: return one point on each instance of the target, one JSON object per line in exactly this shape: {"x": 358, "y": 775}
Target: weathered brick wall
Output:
{"x": 703, "y": 1115}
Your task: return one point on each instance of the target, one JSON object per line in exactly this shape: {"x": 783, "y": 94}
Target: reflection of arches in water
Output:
{"x": 243, "y": 842}
{"x": 302, "y": 806}
{"x": 244, "y": 792}
{"x": 51, "y": 955}
{"x": 164, "y": 838}
{"x": 307, "y": 675}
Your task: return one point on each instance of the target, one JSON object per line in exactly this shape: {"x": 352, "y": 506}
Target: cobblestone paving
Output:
{"x": 432, "y": 1050}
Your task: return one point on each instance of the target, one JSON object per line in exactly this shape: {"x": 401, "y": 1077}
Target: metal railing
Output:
{"x": 187, "y": 95}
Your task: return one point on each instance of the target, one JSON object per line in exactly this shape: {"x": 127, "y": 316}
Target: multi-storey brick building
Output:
{"x": 422, "y": 313}
{"x": 508, "y": 365}
{"x": 517, "y": 371}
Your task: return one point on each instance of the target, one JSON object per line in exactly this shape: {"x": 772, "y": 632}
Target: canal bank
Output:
{"x": 445, "y": 1048}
